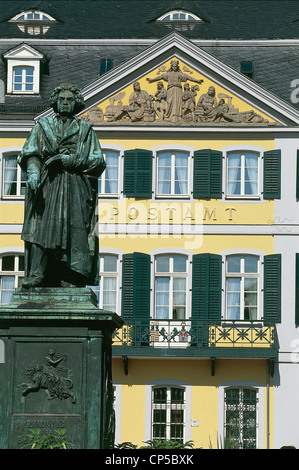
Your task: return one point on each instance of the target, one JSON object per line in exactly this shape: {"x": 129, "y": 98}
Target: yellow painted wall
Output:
{"x": 204, "y": 395}
{"x": 207, "y": 244}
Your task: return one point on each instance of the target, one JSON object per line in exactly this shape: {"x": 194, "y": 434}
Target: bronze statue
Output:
{"x": 63, "y": 160}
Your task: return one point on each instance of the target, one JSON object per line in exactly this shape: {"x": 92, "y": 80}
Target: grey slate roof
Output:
{"x": 275, "y": 67}
{"x": 223, "y": 19}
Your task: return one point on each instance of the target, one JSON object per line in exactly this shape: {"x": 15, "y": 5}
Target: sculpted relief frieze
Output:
{"x": 175, "y": 97}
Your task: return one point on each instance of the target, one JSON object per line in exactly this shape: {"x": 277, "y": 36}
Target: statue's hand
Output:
{"x": 33, "y": 181}
{"x": 67, "y": 160}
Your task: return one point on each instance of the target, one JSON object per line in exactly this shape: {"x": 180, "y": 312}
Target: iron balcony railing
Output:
{"x": 204, "y": 334}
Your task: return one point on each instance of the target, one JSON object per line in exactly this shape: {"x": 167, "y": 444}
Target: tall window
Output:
{"x": 11, "y": 276}
{"x": 242, "y": 174}
{"x": 172, "y": 173}
{"x": 23, "y": 78}
{"x": 109, "y": 180}
{"x": 106, "y": 292}
{"x": 241, "y": 418}
{"x": 168, "y": 413}
{"x": 242, "y": 279}
{"x": 14, "y": 182}
{"x": 170, "y": 287}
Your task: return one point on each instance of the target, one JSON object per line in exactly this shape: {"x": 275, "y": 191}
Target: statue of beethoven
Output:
{"x": 63, "y": 161}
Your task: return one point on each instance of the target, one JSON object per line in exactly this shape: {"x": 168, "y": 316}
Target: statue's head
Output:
{"x": 67, "y": 99}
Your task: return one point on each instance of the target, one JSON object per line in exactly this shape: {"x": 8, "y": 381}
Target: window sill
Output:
{"x": 172, "y": 196}
{"x": 245, "y": 198}
{"x": 242, "y": 323}
{"x": 12, "y": 198}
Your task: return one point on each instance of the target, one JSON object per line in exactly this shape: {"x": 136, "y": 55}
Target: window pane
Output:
{"x": 160, "y": 395}
{"x": 162, "y": 264}
{"x": 7, "y": 289}
{"x": 179, "y": 264}
{"x": 177, "y": 395}
{"x": 21, "y": 263}
{"x": 251, "y": 264}
{"x": 110, "y": 263}
{"x": 164, "y": 159}
{"x": 8, "y": 263}
{"x": 181, "y": 159}
{"x": 250, "y": 284}
{"x": 234, "y": 264}
{"x": 164, "y": 187}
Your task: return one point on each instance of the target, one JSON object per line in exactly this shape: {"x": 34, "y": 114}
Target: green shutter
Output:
{"x": 138, "y": 173}
{"x": 206, "y": 287}
{"x": 297, "y": 291}
{"x": 207, "y": 174}
{"x": 272, "y": 288}
{"x": 272, "y": 174}
{"x": 136, "y": 285}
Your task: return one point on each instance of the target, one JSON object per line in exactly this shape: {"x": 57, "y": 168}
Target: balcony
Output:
{"x": 195, "y": 338}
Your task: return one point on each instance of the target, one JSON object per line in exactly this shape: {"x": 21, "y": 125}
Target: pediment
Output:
{"x": 204, "y": 92}
{"x": 176, "y": 94}
{"x": 23, "y": 52}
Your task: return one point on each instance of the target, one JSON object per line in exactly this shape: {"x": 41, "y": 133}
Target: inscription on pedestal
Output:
{"x": 21, "y": 426}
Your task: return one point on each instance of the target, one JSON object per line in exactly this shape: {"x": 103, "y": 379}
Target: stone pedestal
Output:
{"x": 57, "y": 367}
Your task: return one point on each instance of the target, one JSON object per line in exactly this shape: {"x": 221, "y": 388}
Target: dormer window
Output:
{"x": 179, "y": 15}
{"x": 23, "y": 70}
{"x": 33, "y": 22}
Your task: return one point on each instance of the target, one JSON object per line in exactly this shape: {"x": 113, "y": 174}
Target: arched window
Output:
{"x": 168, "y": 413}
{"x": 243, "y": 174}
{"x": 170, "y": 287}
{"x": 242, "y": 287}
{"x": 241, "y": 417}
{"x": 13, "y": 178}
{"x": 173, "y": 173}
{"x": 109, "y": 180}
{"x": 107, "y": 290}
{"x": 11, "y": 276}
{"x": 33, "y": 22}
{"x": 179, "y": 15}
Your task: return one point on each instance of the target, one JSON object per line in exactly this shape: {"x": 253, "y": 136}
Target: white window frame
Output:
{"x": 249, "y": 252}
{"x": 24, "y": 78}
{"x": 242, "y": 181}
{"x": 23, "y": 56}
{"x": 242, "y": 275}
{"x": 114, "y": 148}
{"x": 103, "y": 274}
{"x": 148, "y": 405}
{"x": 16, "y": 273}
{"x": 186, "y": 14}
{"x": 172, "y": 275}
{"x": 261, "y": 409}
{"x": 38, "y": 24}
{"x": 243, "y": 149}
{"x": 168, "y": 407}
{"x": 239, "y": 411}
{"x": 177, "y": 148}
{"x": 26, "y": 14}
{"x": 3, "y": 153}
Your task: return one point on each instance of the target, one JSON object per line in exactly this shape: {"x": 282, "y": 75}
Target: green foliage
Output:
{"x": 167, "y": 444}
{"x": 49, "y": 441}
{"x": 223, "y": 444}
{"x": 125, "y": 445}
